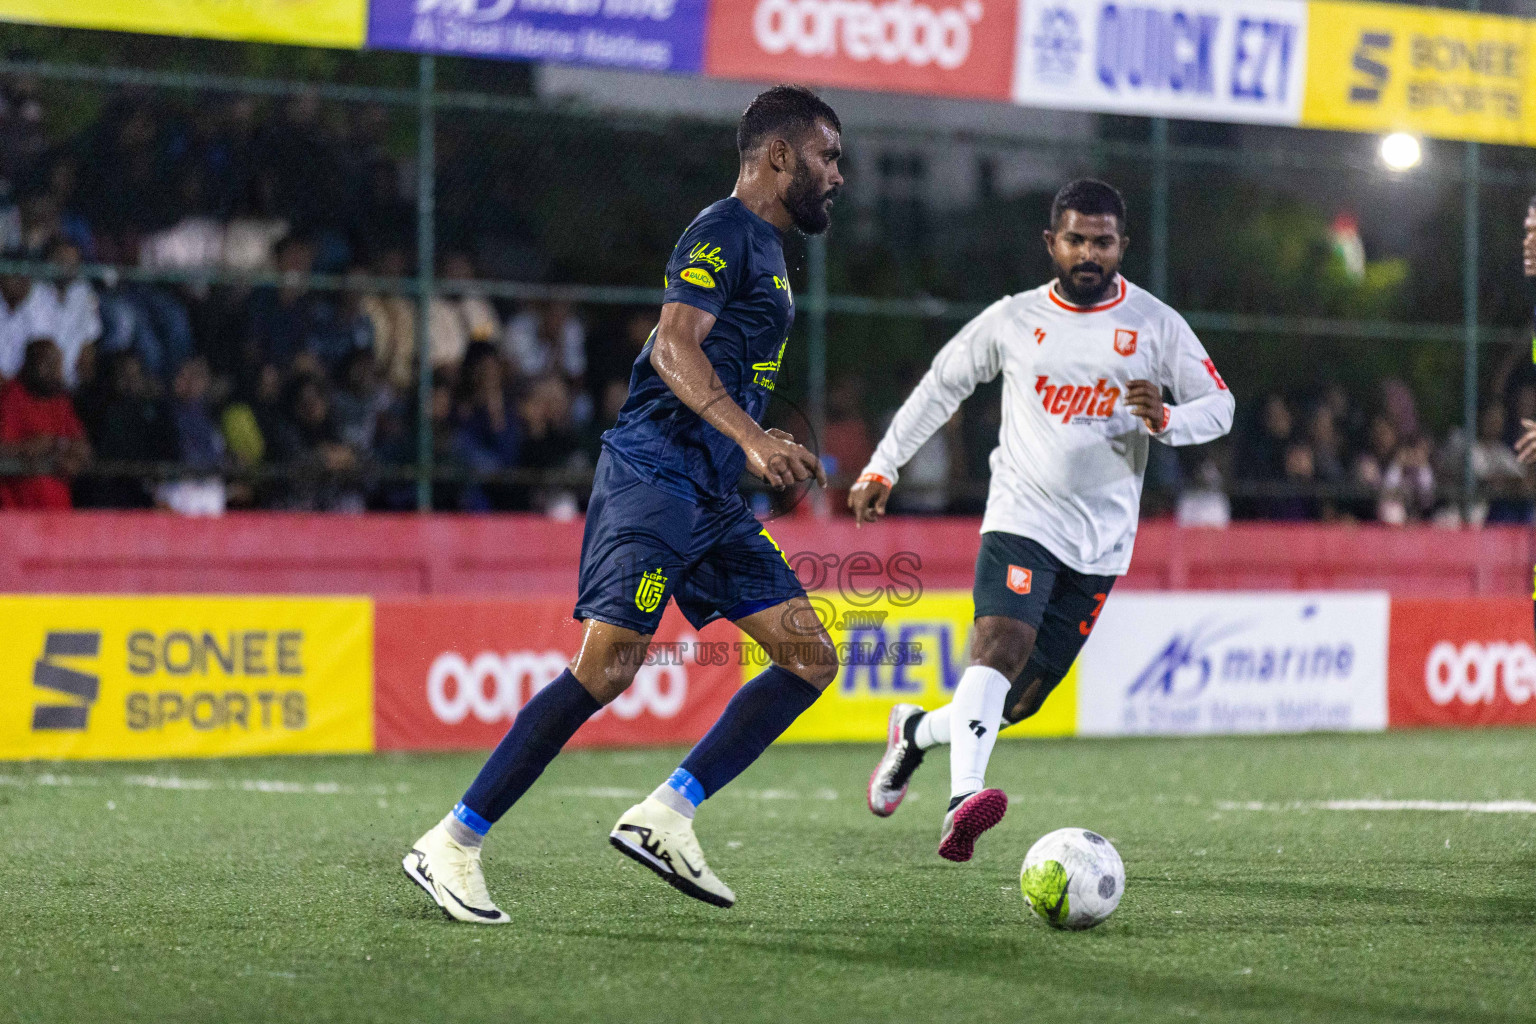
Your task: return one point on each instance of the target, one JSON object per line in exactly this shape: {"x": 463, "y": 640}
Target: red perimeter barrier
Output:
{"x": 530, "y": 556}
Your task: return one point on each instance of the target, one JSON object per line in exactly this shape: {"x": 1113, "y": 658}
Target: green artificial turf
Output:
{"x": 270, "y": 889}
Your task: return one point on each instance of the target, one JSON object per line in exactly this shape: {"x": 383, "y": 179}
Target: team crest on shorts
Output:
{"x": 1125, "y": 342}
{"x": 648, "y": 594}
{"x": 1019, "y": 579}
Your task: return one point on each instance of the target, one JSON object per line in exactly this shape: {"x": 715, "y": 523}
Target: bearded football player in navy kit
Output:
{"x": 666, "y": 521}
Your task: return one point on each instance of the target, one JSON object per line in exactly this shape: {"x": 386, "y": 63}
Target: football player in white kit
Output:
{"x": 1085, "y": 361}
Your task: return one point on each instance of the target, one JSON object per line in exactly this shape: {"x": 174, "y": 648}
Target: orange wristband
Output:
{"x": 876, "y": 477}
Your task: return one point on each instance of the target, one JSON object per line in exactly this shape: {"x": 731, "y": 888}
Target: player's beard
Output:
{"x": 807, "y": 202}
{"x": 1085, "y": 294}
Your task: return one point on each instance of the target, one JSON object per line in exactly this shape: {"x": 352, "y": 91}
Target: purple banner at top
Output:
{"x": 647, "y": 35}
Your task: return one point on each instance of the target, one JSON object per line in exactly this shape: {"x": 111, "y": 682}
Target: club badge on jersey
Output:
{"x": 648, "y": 595}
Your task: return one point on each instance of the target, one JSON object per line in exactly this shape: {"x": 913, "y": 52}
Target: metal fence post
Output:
{"x": 1470, "y": 255}
{"x": 1159, "y": 281}
{"x": 426, "y": 198}
{"x": 816, "y": 354}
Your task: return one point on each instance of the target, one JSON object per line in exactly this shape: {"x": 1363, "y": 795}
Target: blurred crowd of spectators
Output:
{"x": 230, "y": 380}
{"x": 287, "y": 396}
{"x": 1326, "y": 457}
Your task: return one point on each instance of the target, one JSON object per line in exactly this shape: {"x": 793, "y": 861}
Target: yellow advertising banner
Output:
{"x": 337, "y": 23}
{"x": 902, "y": 652}
{"x": 152, "y": 677}
{"x": 1382, "y": 67}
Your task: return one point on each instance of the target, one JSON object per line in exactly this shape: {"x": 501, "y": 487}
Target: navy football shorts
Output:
{"x": 643, "y": 546}
{"x": 1018, "y": 578}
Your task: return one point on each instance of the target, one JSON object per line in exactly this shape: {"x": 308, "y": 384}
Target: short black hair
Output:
{"x": 787, "y": 110}
{"x": 1089, "y": 196}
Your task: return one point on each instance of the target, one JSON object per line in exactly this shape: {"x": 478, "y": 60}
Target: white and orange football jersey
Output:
{"x": 1067, "y": 469}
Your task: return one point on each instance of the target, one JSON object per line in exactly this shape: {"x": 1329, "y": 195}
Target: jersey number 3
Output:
{"x": 1086, "y": 626}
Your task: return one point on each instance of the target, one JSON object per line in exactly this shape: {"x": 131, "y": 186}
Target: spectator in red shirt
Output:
{"x": 39, "y": 428}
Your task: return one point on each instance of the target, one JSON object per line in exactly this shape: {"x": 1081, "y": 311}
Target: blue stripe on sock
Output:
{"x": 476, "y": 824}
{"x": 683, "y": 781}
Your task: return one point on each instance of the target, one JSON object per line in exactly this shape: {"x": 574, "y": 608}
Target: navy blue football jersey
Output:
{"x": 730, "y": 262}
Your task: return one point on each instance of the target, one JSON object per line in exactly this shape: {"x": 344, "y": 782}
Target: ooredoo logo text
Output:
{"x": 1477, "y": 673}
{"x": 898, "y": 31}
{"x": 493, "y": 686}
{"x": 933, "y": 47}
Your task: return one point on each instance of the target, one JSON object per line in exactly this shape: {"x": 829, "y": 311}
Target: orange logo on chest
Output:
{"x": 1125, "y": 342}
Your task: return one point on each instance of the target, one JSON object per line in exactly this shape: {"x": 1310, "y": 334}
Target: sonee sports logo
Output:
{"x": 67, "y": 682}
{"x": 1071, "y": 401}
{"x": 1369, "y": 62}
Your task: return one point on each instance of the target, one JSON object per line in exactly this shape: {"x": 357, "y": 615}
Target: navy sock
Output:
{"x": 541, "y": 728}
{"x": 755, "y": 717}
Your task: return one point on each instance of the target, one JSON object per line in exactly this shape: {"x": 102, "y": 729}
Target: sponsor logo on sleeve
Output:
{"x": 697, "y": 276}
{"x": 704, "y": 252}
{"x": 1210, "y": 368}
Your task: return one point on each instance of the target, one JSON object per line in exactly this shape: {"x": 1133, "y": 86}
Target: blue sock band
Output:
{"x": 756, "y": 716}
{"x": 683, "y": 781}
{"x": 472, "y": 821}
{"x": 538, "y": 732}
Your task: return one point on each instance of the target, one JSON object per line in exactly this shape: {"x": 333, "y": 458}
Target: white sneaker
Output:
{"x": 888, "y": 783}
{"x": 451, "y": 875}
{"x": 663, "y": 840}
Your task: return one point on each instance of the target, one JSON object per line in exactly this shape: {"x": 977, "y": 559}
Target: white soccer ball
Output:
{"x": 1072, "y": 878}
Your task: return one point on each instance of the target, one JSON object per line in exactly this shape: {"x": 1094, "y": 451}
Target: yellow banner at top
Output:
{"x": 336, "y": 23}
{"x": 1385, "y": 67}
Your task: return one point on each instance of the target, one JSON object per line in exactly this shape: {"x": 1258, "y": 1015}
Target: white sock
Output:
{"x": 933, "y": 729}
{"x": 977, "y": 712}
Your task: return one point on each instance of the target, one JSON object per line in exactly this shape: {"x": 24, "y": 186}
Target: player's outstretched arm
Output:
{"x": 969, "y": 358}
{"x": 679, "y": 360}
